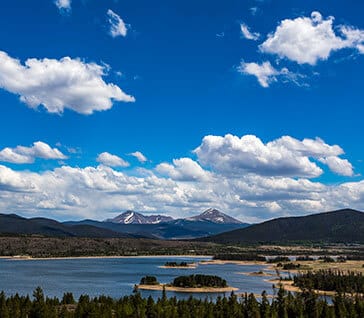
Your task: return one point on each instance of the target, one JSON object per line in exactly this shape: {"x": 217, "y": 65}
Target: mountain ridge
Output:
{"x": 132, "y": 217}
{"x": 12, "y": 224}
{"x": 345, "y": 225}
{"x": 209, "y": 215}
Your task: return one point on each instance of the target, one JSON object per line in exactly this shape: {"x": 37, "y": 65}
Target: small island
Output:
{"x": 188, "y": 284}
{"x": 181, "y": 265}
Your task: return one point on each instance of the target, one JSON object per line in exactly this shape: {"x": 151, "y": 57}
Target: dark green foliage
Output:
{"x": 68, "y": 299}
{"x": 304, "y": 258}
{"x": 327, "y": 259}
{"x": 44, "y": 247}
{"x": 149, "y": 280}
{"x": 304, "y": 305}
{"x": 331, "y": 280}
{"x": 278, "y": 259}
{"x": 175, "y": 264}
{"x": 199, "y": 281}
{"x": 355, "y": 257}
{"x": 289, "y": 266}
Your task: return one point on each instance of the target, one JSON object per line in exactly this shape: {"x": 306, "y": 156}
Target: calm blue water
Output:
{"x": 115, "y": 277}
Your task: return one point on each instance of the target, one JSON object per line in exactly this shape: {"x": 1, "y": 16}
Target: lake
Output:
{"x": 116, "y": 277}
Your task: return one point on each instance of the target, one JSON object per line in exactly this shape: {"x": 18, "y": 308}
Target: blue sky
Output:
{"x": 171, "y": 74}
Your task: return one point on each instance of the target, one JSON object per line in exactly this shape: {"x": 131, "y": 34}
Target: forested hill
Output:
{"x": 11, "y": 224}
{"x": 337, "y": 226}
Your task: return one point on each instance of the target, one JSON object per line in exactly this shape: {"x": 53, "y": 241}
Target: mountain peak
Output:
{"x": 132, "y": 217}
{"x": 215, "y": 216}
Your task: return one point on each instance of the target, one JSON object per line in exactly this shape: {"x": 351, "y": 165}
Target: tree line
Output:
{"x": 331, "y": 280}
{"x": 284, "y": 305}
{"x": 199, "y": 281}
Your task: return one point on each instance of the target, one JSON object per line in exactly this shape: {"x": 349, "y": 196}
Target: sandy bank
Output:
{"x": 189, "y": 266}
{"x": 258, "y": 274}
{"x": 223, "y": 262}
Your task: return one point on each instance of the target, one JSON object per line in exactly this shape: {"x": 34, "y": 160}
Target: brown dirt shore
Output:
{"x": 187, "y": 290}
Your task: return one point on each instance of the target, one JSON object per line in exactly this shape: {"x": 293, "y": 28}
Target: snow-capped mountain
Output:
{"x": 215, "y": 216}
{"x": 131, "y": 217}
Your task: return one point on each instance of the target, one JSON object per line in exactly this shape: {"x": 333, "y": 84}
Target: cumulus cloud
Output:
{"x": 21, "y": 154}
{"x": 310, "y": 39}
{"x": 340, "y": 166}
{"x": 285, "y": 156}
{"x": 242, "y": 176}
{"x": 117, "y": 25}
{"x": 70, "y": 192}
{"x": 245, "y": 31}
{"x": 59, "y": 84}
{"x": 63, "y": 5}
{"x": 266, "y": 74}
{"x": 110, "y": 160}
{"x": 183, "y": 169}
{"x": 141, "y": 158}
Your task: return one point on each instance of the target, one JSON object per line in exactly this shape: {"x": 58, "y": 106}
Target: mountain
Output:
{"x": 346, "y": 226}
{"x": 129, "y": 224}
{"x": 173, "y": 230}
{"x": 131, "y": 217}
{"x": 12, "y": 224}
{"x": 208, "y": 223}
{"x": 214, "y": 216}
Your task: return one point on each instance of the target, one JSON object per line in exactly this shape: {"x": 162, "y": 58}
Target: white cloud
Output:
{"x": 265, "y": 72}
{"x": 141, "y": 158}
{"x": 63, "y": 4}
{"x": 247, "y": 33}
{"x": 110, "y": 160}
{"x": 21, "y": 154}
{"x": 338, "y": 165}
{"x": 183, "y": 169}
{"x": 285, "y": 156}
{"x": 59, "y": 84}
{"x": 243, "y": 176}
{"x": 353, "y": 37}
{"x": 117, "y": 25}
{"x": 310, "y": 39}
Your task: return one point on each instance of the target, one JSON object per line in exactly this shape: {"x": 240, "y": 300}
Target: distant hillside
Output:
{"x": 176, "y": 229}
{"x": 164, "y": 227}
{"x": 11, "y": 224}
{"x": 129, "y": 224}
{"x": 337, "y": 226}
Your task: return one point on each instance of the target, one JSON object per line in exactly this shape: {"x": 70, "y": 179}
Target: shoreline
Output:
{"x": 167, "y": 287}
{"x": 257, "y": 274}
{"x": 288, "y": 286}
{"x": 30, "y": 258}
{"x": 179, "y": 267}
{"x": 224, "y": 262}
